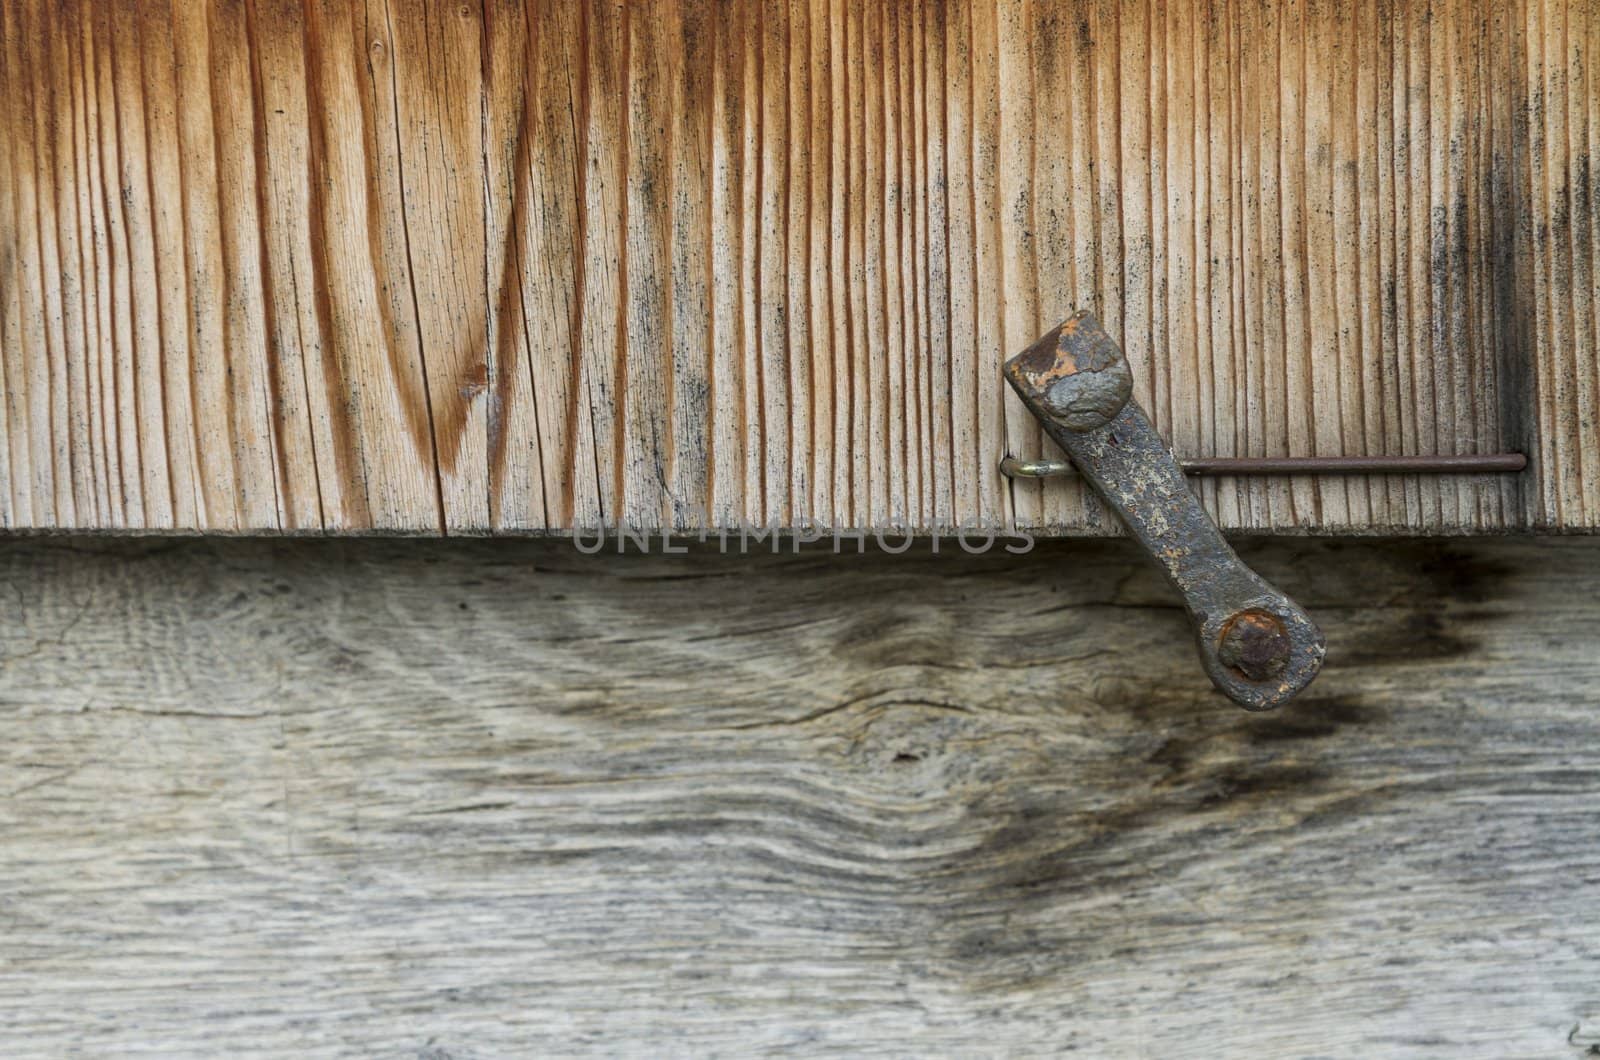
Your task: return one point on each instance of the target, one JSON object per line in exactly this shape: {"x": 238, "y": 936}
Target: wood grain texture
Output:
{"x": 470, "y": 800}
{"x": 512, "y": 265}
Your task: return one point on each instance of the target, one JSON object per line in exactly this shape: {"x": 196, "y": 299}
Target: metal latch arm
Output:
{"x": 1259, "y": 647}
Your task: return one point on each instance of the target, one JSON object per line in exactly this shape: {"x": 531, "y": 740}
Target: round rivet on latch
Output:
{"x": 1256, "y": 644}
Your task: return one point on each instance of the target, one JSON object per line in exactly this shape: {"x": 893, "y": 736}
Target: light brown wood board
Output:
{"x": 499, "y": 799}
{"x": 493, "y": 266}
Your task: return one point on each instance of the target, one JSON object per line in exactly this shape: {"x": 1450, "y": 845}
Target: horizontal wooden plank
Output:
{"x": 507, "y": 265}
{"x": 499, "y": 798}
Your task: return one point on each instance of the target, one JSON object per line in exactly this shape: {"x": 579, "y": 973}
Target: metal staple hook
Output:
{"x": 1465, "y": 464}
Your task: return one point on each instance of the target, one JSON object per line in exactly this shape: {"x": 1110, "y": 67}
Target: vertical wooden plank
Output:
{"x": 322, "y": 485}
{"x": 167, "y": 199}
{"x": 1137, "y": 145}
{"x": 1299, "y": 371}
{"x": 1339, "y": 28}
{"x": 1546, "y": 379}
{"x": 1157, "y": 100}
{"x": 602, "y": 389}
{"x": 1055, "y": 47}
{"x": 773, "y": 308}
{"x": 1084, "y": 201}
{"x": 1587, "y": 342}
{"x": 690, "y": 426}
{"x": 358, "y": 253}
{"x": 1446, "y": 254}
{"x": 1179, "y": 331}
{"x": 21, "y": 327}
{"x": 1262, "y": 318}
{"x": 517, "y": 472}
{"x": 94, "y": 262}
{"x": 823, "y": 241}
{"x": 1284, "y": 336}
{"x": 1196, "y": 360}
{"x": 390, "y": 49}
{"x": 1079, "y": 205}
{"x": 899, "y": 207}
{"x": 896, "y": 383}
{"x": 1386, "y": 285}
{"x": 976, "y": 493}
{"x": 9, "y": 501}
{"x": 1315, "y": 251}
{"x": 883, "y": 263}
{"x": 753, "y": 91}
{"x": 14, "y": 503}
{"x": 795, "y": 71}
{"x": 435, "y": 231}
{"x": 251, "y": 339}
{"x": 1233, "y": 498}
{"x": 648, "y": 308}
{"x": 1220, "y": 119}
{"x": 908, "y": 188}
{"x": 810, "y": 113}
{"x": 1359, "y": 245}
{"x": 875, "y": 395}
{"x": 554, "y": 282}
{"x": 144, "y": 348}
{"x": 930, "y": 392}
{"x": 1408, "y": 337}
{"x": 1582, "y": 159}
{"x": 118, "y": 360}
{"x": 728, "y": 452}
{"x": 841, "y": 69}
{"x": 1528, "y": 145}
{"x": 1477, "y": 433}
{"x": 1016, "y": 143}
{"x": 1110, "y": 264}
{"x": 1000, "y": 416}
{"x": 206, "y": 272}
{"x": 1505, "y": 307}
{"x": 1247, "y": 244}
{"x": 1426, "y": 83}
{"x": 62, "y": 258}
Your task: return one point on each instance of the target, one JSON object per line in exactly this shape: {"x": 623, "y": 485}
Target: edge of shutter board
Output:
{"x": 495, "y": 267}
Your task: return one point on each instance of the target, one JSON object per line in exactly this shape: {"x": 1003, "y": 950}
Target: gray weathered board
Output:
{"x": 474, "y": 799}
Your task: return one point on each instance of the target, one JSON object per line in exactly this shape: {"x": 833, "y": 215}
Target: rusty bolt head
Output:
{"x": 1254, "y": 643}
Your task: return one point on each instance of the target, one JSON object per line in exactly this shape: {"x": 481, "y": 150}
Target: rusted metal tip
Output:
{"x": 1075, "y": 374}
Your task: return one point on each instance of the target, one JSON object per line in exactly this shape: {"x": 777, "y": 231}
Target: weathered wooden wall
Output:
{"x": 471, "y": 799}
{"x": 498, "y": 265}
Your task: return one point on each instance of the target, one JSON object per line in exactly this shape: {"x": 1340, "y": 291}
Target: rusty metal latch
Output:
{"x": 1258, "y": 646}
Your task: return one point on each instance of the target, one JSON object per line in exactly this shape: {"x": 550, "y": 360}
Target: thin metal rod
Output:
{"x": 1473, "y": 464}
